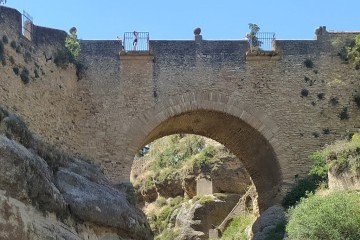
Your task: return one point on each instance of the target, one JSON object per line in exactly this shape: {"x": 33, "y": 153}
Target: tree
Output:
{"x": 72, "y": 44}
{"x": 2, "y": 1}
{"x": 254, "y": 29}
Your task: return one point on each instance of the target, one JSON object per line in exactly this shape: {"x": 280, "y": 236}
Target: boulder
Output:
{"x": 171, "y": 187}
{"x": 196, "y": 219}
{"x": 269, "y": 223}
{"x": 54, "y": 191}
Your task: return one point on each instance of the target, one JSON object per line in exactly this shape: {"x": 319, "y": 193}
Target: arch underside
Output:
{"x": 248, "y": 144}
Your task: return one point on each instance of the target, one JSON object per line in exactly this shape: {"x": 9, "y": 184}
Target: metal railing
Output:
{"x": 27, "y": 25}
{"x": 263, "y": 41}
{"x": 136, "y": 42}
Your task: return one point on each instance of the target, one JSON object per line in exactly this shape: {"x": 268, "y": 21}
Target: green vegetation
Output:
{"x": 203, "y": 199}
{"x": 344, "y": 115}
{"x": 353, "y": 51}
{"x": 70, "y": 54}
{"x": 72, "y": 44}
{"x": 308, "y": 63}
{"x": 16, "y": 70}
{"x": 168, "y": 234}
{"x": 12, "y": 60}
{"x": 301, "y": 188}
{"x": 1, "y": 50}
{"x": 27, "y": 57}
{"x": 24, "y": 75}
{"x": 175, "y": 156}
{"x": 254, "y": 29}
{"x": 160, "y": 215}
{"x": 342, "y": 156}
{"x": 334, "y": 216}
{"x": 357, "y": 100}
{"x": 5, "y": 39}
{"x": 13, "y": 45}
{"x": 304, "y": 92}
{"x": 236, "y": 229}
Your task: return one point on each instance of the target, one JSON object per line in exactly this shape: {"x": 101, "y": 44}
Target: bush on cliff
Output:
{"x": 333, "y": 216}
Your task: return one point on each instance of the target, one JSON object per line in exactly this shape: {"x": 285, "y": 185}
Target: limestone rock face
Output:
{"x": 47, "y": 195}
{"x": 230, "y": 177}
{"x": 196, "y": 219}
{"x": 344, "y": 181}
{"x": 171, "y": 187}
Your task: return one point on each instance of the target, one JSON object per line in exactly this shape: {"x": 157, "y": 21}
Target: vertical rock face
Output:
{"x": 45, "y": 194}
{"x": 196, "y": 219}
{"x": 344, "y": 181}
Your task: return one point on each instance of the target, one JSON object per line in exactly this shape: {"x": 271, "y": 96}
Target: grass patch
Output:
{"x": 237, "y": 226}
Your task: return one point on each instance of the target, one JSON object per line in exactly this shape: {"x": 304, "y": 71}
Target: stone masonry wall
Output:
{"x": 125, "y": 100}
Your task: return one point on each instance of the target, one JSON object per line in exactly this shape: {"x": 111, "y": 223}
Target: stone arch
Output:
{"x": 248, "y": 134}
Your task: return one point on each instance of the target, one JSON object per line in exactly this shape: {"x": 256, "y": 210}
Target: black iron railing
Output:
{"x": 27, "y": 25}
{"x": 262, "y": 41}
{"x": 136, "y": 41}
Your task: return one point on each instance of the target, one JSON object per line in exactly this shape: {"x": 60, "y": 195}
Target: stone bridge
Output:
{"x": 270, "y": 111}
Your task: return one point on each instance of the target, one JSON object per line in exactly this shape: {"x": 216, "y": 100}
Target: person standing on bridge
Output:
{"x": 135, "y": 40}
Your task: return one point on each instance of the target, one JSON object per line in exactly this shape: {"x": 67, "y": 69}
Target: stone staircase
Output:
{"x": 246, "y": 203}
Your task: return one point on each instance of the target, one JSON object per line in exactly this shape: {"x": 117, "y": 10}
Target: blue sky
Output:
{"x": 220, "y": 19}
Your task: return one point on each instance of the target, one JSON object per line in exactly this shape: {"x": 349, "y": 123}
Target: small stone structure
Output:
{"x": 204, "y": 186}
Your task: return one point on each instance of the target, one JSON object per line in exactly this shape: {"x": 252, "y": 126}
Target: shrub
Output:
{"x": 27, "y": 57}
{"x": 205, "y": 157}
{"x": 334, "y": 101}
{"x": 13, "y": 45}
{"x": 24, "y": 75}
{"x": 36, "y": 73}
{"x": 5, "y": 39}
{"x": 344, "y": 115}
{"x": 16, "y": 70}
{"x": 304, "y": 92}
{"x": 168, "y": 234}
{"x": 301, "y": 188}
{"x": 353, "y": 51}
{"x": 16, "y": 129}
{"x": 3, "y": 61}
{"x": 344, "y": 155}
{"x": 1, "y": 50}
{"x": 18, "y": 49}
{"x": 12, "y": 60}
{"x": 326, "y": 130}
{"x": 308, "y": 63}
{"x": 321, "y": 96}
{"x": 357, "y": 100}
{"x": 335, "y": 216}
{"x": 80, "y": 69}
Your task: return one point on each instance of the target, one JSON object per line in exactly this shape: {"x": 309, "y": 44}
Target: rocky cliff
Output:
{"x": 46, "y": 194}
